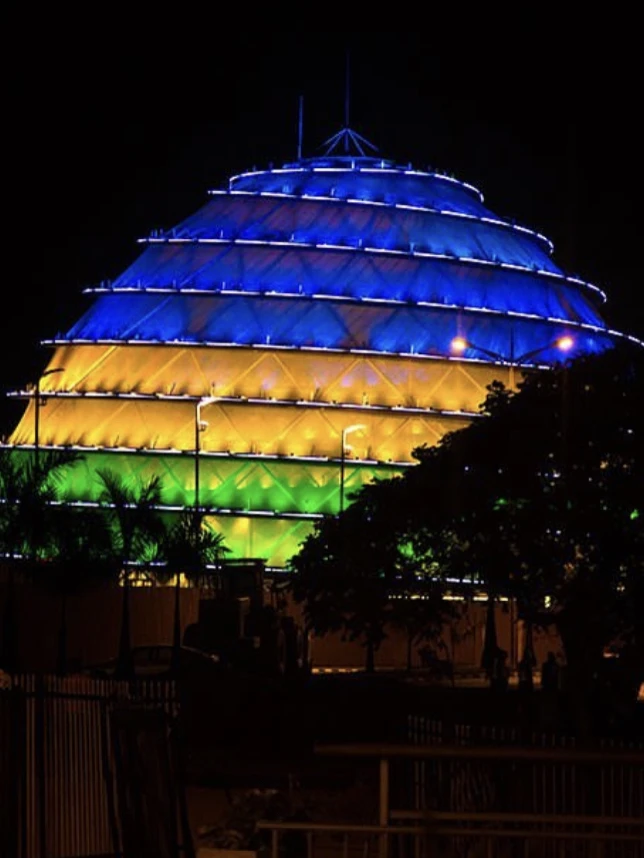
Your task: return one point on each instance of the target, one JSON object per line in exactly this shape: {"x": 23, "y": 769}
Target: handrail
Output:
{"x": 486, "y": 825}
{"x": 541, "y": 818}
{"x": 487, "y": 752}
{"x": 461, "y": 831}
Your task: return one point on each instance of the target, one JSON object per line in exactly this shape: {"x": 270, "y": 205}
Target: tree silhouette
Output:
{"x": 541, "y": 498}
{"x": 137, "y": 528}
{"x": 81, "y": 557}
{"x": 549, "y": 488}
{"x": 189, "y": 548}
{"x": 360, "y": 572}
{"x": 28, "y": 490}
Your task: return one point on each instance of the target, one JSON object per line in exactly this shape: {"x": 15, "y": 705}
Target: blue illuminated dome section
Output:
{"x": 244, "y": 320}
{"x": 331, "y": 294}
{"x": 367, "y": 179}
{"x": 348, "y": 253}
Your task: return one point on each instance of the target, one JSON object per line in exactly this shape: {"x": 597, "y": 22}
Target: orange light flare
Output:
{"x": 565, "y": 344}
{"x": 458, "y": 345}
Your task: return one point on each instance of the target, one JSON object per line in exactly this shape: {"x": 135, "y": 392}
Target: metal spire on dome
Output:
{"x": 300, "y": 128}
{"x": 347, "y": 136}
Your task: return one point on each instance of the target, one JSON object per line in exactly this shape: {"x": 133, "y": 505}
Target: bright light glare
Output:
{"x": 564, "y": 344}
{"x": 458, "y": 345}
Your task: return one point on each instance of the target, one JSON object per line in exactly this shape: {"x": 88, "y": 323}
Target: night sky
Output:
{"x": 106, "y": 145}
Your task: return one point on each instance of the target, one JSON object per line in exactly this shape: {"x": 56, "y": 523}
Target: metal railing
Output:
{"x": 55, "y": 762}
{"x": 440, "y": 827}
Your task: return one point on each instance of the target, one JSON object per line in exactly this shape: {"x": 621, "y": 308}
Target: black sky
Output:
{"x": 106, "y": 144}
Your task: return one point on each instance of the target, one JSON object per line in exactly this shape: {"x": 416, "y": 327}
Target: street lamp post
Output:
{"x": 200, "y": 426}
{"x": 356, "y": 427}
{"x": 37, "y": 405}
{"x": 564, "y": 344}
{"x": 459, "y": 344}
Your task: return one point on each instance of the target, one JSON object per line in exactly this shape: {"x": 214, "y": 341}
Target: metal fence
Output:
{"x": 466, "y": 792}
{"x": 447, "y": 826}
{"x": 56, "y": 768}
{"x": 542, "y": 785}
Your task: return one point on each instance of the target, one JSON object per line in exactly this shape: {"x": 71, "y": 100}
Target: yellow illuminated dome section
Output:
{"x": 298, "y": 336}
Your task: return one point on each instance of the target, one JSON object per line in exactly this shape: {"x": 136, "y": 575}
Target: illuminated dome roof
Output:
{"x": 296, "y": 304}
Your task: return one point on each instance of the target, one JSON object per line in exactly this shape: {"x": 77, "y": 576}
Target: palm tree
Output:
{"x": 81, "y": 557}
{"x": 28, "y": 490}
{"x": 137, "y": 528}
{"x": 189, "y": 549}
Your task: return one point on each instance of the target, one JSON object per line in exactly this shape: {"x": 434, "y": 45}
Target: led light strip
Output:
{"x": 380, "y": 464}
{"x": 411, "y": 254}
{"x": 461, "y": 308}
{"x": 396, "y": 171}
{"x": 224, "y": 511}
{"x": 242, "y": 400}
{"x": 398, "y": 206}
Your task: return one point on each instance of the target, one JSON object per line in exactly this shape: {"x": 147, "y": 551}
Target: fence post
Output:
{"x": 41, "y": 783}
{"x": 109, "y": 777}
{"x": 383, "y": 817}
{"x": 21, "y": 728}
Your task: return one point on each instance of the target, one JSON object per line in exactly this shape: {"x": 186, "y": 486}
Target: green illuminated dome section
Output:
{"x": 298, "y": 307}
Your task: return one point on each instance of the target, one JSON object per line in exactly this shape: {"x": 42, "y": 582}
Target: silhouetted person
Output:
{"x": 525, "y": 674}
{"x": 500, "y": 670}
{"x": 550, "y": 673}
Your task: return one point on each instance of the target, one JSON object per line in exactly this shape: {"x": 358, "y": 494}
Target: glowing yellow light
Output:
{"x": 564, "y": 344}
{"x": 458, "y": 345}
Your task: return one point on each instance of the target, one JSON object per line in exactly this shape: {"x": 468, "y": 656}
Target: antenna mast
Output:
{"x": 347, "y": 137}
{"x": 300, "y": 129}
{"x": 347, "y": 101}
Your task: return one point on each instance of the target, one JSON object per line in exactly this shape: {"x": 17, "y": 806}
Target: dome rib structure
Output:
{"x": 294, "y": 304}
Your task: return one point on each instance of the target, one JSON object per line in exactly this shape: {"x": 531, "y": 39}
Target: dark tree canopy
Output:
{"x": 541, "y": 498}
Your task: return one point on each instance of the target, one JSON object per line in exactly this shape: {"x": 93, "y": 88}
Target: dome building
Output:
{"x": 299, "y": 335}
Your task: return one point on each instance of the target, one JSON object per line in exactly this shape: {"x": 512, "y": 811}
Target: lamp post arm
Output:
{"x": 460, "y": 344}
{"x": 356, "y": 427}
{"x": 533, "y": 352}
{"x": 37, "y": 404}
{"x": 197, "y": 414}
{"x": 37, "y": 423}
{"x": 199, "y": 404}
{"x": 530, "y": 354}
{"x": 494, "y": 355}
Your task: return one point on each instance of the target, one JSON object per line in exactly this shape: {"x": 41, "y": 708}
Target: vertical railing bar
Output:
{"x": 107, "y": 776}
{"x": 32, "y": 771}
{"x": 91, "y": 826}
{"x": 100, "y": 843}
{"x": 70, "y": 735}
{"x": 83, "y": 787}
{"x": 383, "y": 813}
{"x": 61, "y": 764}
{"x": 58, "y": 768}
{"x": 40, "y": 767}
{"x": 54, "y": 764}
{"x": 23, "y": 723}
{"x": 70, "y": 749}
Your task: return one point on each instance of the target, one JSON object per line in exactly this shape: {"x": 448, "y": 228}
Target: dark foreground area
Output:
{"x": 246, "y": 749}
{"x": 262, "y": 734}
{"x": 275, "y": 760}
